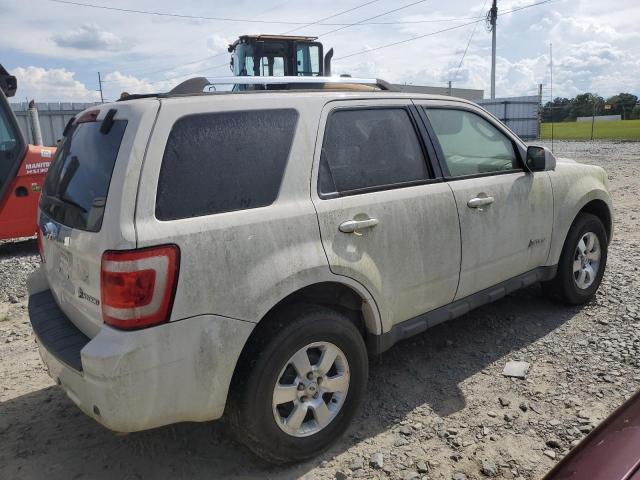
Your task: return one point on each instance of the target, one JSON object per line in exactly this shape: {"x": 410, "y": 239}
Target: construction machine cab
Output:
{"x": 279, "y": 55}
{"x": 22, "y": 169}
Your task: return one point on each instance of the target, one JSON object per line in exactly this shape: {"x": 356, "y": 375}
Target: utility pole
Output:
{"x": 551, "y": 86}
{"x": 493, "y": 17}
{"x": 100, "y": 84}
{"x": 449, "y": 87}
{"x": 540, "y": 110}
{"x": 593, "y": 117}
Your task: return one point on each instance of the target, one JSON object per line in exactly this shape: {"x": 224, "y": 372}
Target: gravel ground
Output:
{"x": 438, "y": 406}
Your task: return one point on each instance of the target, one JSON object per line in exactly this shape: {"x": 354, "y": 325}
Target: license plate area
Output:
{"x": 65, "y": 264}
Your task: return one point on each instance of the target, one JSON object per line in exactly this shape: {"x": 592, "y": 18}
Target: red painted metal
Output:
{"x": 610, "y": 452}
{"x": 19, "y": 206}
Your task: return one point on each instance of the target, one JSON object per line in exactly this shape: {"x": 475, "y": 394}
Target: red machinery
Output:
{"x": 22, "y": 169}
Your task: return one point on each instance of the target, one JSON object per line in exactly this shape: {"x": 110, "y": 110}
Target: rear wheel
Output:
{"x": 582, "y": 262}
{"x": 300, "y": 384}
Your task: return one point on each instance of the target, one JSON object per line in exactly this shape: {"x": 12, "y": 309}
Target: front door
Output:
{"x": 506, "y": 212}
{"x": 385, "y": 221}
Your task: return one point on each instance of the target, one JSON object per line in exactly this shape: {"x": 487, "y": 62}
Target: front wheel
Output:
{"x": 582, "y": 262}
{"x": 300, "y": 385}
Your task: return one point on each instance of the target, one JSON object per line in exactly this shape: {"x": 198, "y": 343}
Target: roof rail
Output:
{"x": 198, "y": 84}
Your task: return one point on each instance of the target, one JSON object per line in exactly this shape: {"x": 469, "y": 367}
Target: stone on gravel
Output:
{"x": 410, "y": 475}
{"x": 458, "y": 476}
{"x": 406, "y": 430}
{"x": 357, "y": 464}
{"x": 489, "y": 468}
{"x": 553, "y": 443}
{"x": 504, "y": 402}
{"x": 516, "y": 369}
{"x": 550, "y": 453}
{"x": 377, "y": 460}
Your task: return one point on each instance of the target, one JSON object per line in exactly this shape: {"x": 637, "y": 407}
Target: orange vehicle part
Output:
{"x": 19, "y": 206}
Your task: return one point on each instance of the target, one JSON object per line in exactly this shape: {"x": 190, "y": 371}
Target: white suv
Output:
{"x": 243, "y": 252}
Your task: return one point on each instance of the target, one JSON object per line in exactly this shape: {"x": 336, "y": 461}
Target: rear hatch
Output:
{"x": 87, "y": 203}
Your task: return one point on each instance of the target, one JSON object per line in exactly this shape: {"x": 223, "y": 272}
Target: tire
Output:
{"x": 571, "y": 285}
{"x": 257, "y": 418}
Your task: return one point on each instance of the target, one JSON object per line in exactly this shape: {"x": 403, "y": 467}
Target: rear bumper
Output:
{"x": 136, "y": 380}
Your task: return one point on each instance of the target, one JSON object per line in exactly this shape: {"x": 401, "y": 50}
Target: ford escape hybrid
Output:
{"x": 243, "y": 252}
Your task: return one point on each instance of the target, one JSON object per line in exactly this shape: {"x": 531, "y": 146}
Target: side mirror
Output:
{"x": 540, "y": 159}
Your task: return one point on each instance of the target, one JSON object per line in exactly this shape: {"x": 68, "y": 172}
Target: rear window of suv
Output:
{"x": 75, "y": 191}
{"x": 221, "y": 162}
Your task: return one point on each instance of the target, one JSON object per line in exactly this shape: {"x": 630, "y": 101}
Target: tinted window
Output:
{"x": 366, "y": 148}
{"x": 75, "y": 191}
{"x": 470, "y": 144}
{"x": 219, "y": 162}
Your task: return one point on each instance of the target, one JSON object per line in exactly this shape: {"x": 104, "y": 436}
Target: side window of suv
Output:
{"x": 367, "y": 149}
{"x": 470, "y": 144}
{"x": 220, "y": 162}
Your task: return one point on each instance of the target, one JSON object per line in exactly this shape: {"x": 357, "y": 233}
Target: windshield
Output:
{"x": 11, "y": 144}
{"x": 246, "y": 62}
{"x": 75, "y": 191}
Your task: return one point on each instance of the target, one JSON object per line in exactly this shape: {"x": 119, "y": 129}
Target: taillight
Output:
{"x": 137, "y": 286}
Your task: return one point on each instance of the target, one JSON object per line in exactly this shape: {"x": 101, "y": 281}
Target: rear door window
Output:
{"x": 76, "y": 188}
{"x": 370, "y": 148}
{"x": 221, "y": 162}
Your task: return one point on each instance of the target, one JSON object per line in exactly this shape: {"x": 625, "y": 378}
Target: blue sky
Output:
{"x": 56, "y": 49}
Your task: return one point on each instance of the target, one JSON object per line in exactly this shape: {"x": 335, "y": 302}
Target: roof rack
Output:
{"x": 198, "y": 84}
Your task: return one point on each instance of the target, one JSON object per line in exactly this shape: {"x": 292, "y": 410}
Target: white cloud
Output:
{"x": 116, "y": 83}
{"x": 52, "y": 85}
{"x": 89, "y": 37}
{"x": 217, "y": 43}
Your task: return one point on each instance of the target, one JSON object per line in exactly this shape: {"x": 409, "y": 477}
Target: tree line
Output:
{"x": 568, "y": 109}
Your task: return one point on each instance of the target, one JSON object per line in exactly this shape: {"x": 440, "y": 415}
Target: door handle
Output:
{"x": 352, "y": 226}
{"x": 480, "y": 202}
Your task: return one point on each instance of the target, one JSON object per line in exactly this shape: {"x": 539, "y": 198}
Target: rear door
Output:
{"x": 385, "y": 220}
{"x": 87, "y": 204}
{"x": 505, "y": 211}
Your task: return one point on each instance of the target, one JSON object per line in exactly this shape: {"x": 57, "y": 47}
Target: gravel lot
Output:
{"x": 438, "y": 406}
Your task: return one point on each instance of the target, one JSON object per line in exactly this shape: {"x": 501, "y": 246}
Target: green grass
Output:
{"x": 615, "y": 130}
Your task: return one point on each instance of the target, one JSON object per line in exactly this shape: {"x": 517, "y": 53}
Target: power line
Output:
{"x": 475, "y": 26}
{"x": 301, "y": 24}
{"x": 438, "y": 31}
{"x": 331, "y": 16}
{"x": 371, "y": 18}
{"x": 175, "y": 15}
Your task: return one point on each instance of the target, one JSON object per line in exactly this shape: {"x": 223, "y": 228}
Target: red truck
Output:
{"x": 22, "y": 169}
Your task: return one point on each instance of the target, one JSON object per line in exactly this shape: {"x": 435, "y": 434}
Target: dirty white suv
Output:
{"x": 242, "y": 253}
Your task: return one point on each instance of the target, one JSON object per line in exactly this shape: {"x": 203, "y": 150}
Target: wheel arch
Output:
{"x": 596, "y": 202}
{"x": 601, "y": 210}
{"x": 341, "y": 293}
